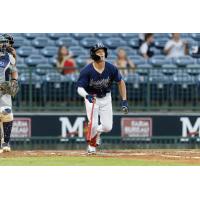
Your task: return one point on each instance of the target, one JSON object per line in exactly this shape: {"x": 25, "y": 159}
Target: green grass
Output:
{"x": 86, "y": 161}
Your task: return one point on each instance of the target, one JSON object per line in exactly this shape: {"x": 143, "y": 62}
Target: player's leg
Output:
{"x": 7, "y": 122}
{"x": 92, "y": 145}
{"x": 106, "y": 117}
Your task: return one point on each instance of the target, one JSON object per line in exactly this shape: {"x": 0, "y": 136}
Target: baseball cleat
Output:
{"x": 6, "y": 147}
{"x": 96, "y": 140}
{"x": 91, "y": 150}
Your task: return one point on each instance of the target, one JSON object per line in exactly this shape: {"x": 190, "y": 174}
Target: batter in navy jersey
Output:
{"x": 94, "y": 85}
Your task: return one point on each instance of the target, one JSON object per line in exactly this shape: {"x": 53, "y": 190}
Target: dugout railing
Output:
{"x": 108, "y": 142}
{"x": 148, "y": 89}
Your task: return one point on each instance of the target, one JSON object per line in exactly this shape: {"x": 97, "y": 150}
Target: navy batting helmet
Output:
{"x": 9, "y": 38}
{"x": 96, "y": 47}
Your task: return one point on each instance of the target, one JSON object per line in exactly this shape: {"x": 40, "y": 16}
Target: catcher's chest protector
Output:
{"x": 4, "y": 65}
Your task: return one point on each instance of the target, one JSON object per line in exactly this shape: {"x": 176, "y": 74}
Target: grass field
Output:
{"x": 105, "y": 158}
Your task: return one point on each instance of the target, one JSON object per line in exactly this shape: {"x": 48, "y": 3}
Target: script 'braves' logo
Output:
{"x": 103, "y": 83}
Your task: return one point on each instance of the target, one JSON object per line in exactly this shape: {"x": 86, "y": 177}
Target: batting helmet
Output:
{"x": 9, "y": 38}
{"x": 95, "y": 48}
{"x": 3, "y": 44}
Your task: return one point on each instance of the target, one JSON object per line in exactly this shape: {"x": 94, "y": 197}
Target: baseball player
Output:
{"x": 8, "y": 89}
{"x": 94, "y": 85}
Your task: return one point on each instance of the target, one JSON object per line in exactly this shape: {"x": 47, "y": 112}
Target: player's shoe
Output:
{"x": 91, "y": 150}
{"x": 96, "y": 140}
{"x": 6, "y": 147}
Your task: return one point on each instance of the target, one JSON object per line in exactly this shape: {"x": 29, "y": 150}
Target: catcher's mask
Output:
{"x": 9, "y": 38}
{"x": 3, "y": 44}
{"x": 95, "y": 48}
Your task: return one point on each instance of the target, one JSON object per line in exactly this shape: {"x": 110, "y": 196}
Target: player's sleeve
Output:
{"x": 83, "y": 79}
{"x": 12, "y": 59}
{"x": 143, "y": 48}
{"x": 117, "y": 75}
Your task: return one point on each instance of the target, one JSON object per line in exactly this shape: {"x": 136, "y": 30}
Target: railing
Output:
{"x": 75, "y": 143}
{"x": 148, "y": 89}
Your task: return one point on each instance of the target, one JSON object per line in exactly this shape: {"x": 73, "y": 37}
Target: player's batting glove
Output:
{"x": 125, "y": 106}
{"x": 90, "y": 98}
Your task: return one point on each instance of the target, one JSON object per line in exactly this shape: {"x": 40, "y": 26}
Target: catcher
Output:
{"x": 8, "y": 89}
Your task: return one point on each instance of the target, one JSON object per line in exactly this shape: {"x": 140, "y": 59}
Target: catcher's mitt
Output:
{"x": 9, "y": 87}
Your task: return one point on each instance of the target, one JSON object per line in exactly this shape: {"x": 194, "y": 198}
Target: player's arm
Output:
{"x": 122, "y": 89}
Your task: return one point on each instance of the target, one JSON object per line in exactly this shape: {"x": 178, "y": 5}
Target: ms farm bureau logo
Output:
{"x": 188, "y": 129}
{"x": 68, "y": 129}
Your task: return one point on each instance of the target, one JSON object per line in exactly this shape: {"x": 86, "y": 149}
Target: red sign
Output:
{"x": 21, "y": 127}
{"x": 136, "y": 127}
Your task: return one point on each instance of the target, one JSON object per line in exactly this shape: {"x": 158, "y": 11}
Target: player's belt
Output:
{"x": 101, "y": 95}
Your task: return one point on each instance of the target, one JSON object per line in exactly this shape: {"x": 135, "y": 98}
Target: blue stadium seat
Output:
{"x": 52, "y": 60}
{"x": 33, "y": 35}
{"x": 20, "y": 60}
{"x": 138, "y": 60}
{"x": 128, "y": 36}
{"x": 143, "y": 69}
{"x": 21, "y": 67}
{"x": 130, "y": 51}
{"x": 88, "y": 42}
{"x": 196, "y": 36}
{"x": 79, "y": 36}
{"x": 193, "y": 69}
{"x": 114, "y": 42}
{"x": 67, "y": 41}
{"x": 111, "y": 59}
{"x": 25, "y": 51}
{"x": 41, "y": 42}
{"x": 169, "y": 69}
{"x": 34, "y": 60}
{"x": 156, "y": 77}
{"x": 43, "y": 69}
{"x": 184, "y": 60}
{"x": 55, "y": 36}
{"x": 106, "y": 35}
{"x": 21, "y": 41}
{"x": 161, "y": 35}
{"x": 81, "y": 61}
{"x": 134, "y": 43}
{"x": 160, "y": 42}
{"x": 78, "y": 51}
{"x": 160, "y": 60}
{"x": 49, "y": 51}
{"x": 182, "y": 77}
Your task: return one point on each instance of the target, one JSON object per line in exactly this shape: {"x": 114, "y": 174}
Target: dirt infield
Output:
{"x": 186, "y": 156}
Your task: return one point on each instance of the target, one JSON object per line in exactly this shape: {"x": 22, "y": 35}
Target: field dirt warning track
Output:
{"x": 189, "y": 156}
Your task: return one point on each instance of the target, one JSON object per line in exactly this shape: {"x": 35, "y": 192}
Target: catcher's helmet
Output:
{"x": 3, "y": 44}
{"x": 9, "y": 38}
{"x": 95, "y": 48}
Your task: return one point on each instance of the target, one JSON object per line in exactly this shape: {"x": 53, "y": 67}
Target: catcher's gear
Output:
{"x": 9, "y": 87}
{"x": 3, "y": 44}
{"x": 125, "y": 106}
{"x": 95, "y": 48}
{"x": 9, "y": 38}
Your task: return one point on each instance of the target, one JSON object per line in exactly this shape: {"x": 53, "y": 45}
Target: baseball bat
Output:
{"x": 88, "y": 136}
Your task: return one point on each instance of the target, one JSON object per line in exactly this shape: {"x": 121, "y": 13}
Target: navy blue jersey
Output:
{"x": 98, "y": 83}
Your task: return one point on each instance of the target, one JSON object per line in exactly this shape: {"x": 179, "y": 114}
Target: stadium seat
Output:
{"x": 88, "y": 42}
{"x": 55, "y": 36}
{"x": 78, "y": 51}
{"x": 184, "y": 60}
{"x": 196, "y": 36}
{"x": 81, "y": 61}
{"x": 161, "y": 35}
{"x": 143, "y": 69}
{"x": 49, "y": 51}
{"x": 114, "y": 42}
{"x": 169, "y": 69}
{"x": 106, "y": 35}
{"x": 67, "y": 41}
{"x": 52, "y": 60}
{"x": 128, "y": 36}
{"x": 156, "y": 77}
{"x": 31, "y": 36}
{"x": 21, "y": 67}
{"x": 193, "y": 69}
{"x": 111, "y": 59}
{"x": 20, "y": 60}
{"x": 25, "y": 51}
{"x": 34, "y": 60}
{"x": 160, "y": 42}
{"x": 159, "y": 60}
{"x": 134, "y": 43}
{"x": 43, "y": 69}
{"x": 41, "y": 42}
{"x": 138, "y": 60}
{"x": 79, "y": 36}
{"x": 21, "y": 41}
{"x": 182, "y": 77}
